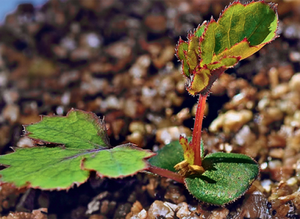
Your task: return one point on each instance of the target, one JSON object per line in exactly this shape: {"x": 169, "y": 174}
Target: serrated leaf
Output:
{"x": 78, "y": 129}
{"x": 61, "y": 167}
{"x": 188, "y": 53}
{"x": 240, "y": 31}
{"x": 200, "y": 29}
{"x": 227, "y": 176}
{"x": 252, "y": 25}
{"x": 181, "y": 50}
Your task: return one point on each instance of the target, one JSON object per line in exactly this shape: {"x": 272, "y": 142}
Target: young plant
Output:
{"x": 241, "y": 30}
{"x": 78, "y": 143}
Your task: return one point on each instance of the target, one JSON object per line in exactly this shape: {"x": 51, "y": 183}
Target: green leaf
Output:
{"x": 181, "y": 50}
{"x": 168, "y": 156}
{"x": 240, "y": 31}
{"x": 85, "y": 149}
{"x": 227, "y": 176}
{"x": 76, "y": 130}
{"x": 119, "y": 161}
{"x": 200, "y": 29}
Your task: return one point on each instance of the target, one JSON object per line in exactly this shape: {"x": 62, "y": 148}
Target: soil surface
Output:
{"x": 116, "y": 59}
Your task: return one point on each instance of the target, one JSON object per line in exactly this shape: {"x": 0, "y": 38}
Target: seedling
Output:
{"x": 76, "y": 144}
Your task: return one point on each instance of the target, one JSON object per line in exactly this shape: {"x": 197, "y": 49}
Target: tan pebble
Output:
{"x": 137, "y": 126}
{"x": 166, "y": 86}
{"x": 285, "y": 72}
{"x": 296, "y": 201}
{"x": 10, "y": 96}
{"x": 259, "y": 145}
{"x": 282, "y": 210}
{"x": 263, "y": 103}
{"x": 182, "y": 115}
{"x": 219, "y": 213}
{"x": 112, "y": 102}
{"x": 159, "y": 209}
{"x": 11, "y": 112}
{"x": 276, "y": 140}
{"x": 171, "y": 206}
{"x": 119, "y": 50}
{"x": 137, "y": 71}
{"x": 231, "y": 121}
{"x": 286, "y": 131}
{"x": 281, "y": 173}
{"x": 294, "y": 83}
{"x": 280, "y": 90}
{"x": 153, "y": 183}
{"x": 136, "y": 138}
{"x": 275, "y": 164}
{"x": 245, "y": 136}
{"x": 293, "y": 121}
{"x": 297, "y": 169}
{"x": 142, "y": 214}
{"x": 166, "y": 135}
{"x": 94, "y": 85}
{"x": 254, "y": 206}
{"x": 294, "y": 141}
{"x": 267, "y": 185}
{"x": 81, "y": 54}
{"x": 180, "y": 87}
{"x": 136, "y": 207}
{"x": 130, "y": 108}
{"x": 270, "y": 115}
{"x": 276, "y": 153}
{"x": 282, "y": 189}
{"x": 261, "y": 79}
{"x": 150, "y": 129}
{"x": 183, "y": 210}
{"x": 165, "y": 56}
{"x": 174, "y": 194}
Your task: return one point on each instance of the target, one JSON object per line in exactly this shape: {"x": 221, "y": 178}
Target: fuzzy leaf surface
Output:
{"x": 227, "y": 176}
{"x": 215, "y": 46}
{"x": 240, "y": 31}
{"x": 85, "y": 148}
{"x": 78, "y": 129}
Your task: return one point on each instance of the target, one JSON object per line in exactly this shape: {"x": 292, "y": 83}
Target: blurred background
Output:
{"x": 9, "y": 6}
{"x": 117, "y": 59}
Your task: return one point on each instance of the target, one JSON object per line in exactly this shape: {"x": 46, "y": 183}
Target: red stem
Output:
{"x": 166, "y": 173}
{"x": 196, "y": 139}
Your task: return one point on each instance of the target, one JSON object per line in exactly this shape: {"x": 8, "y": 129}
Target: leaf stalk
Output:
{"x": 166, "y": 173}
{"x": 197, "y": 131}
